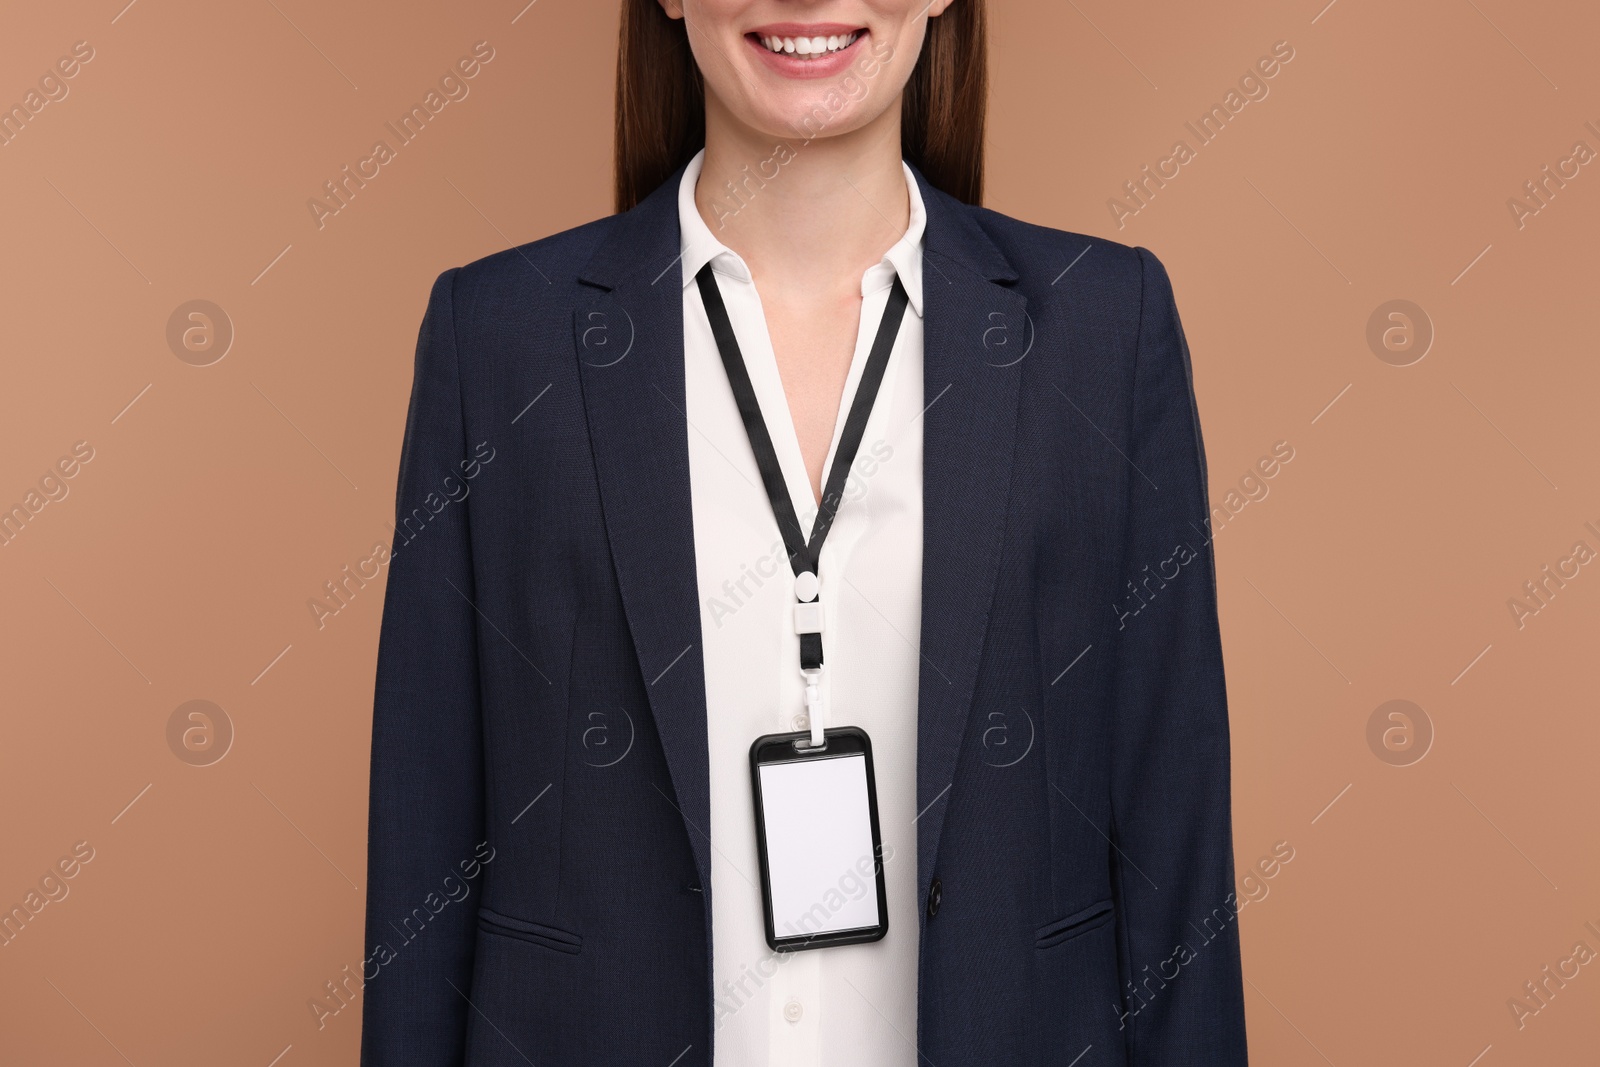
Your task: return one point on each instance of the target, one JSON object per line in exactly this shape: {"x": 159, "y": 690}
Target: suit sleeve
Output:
{"x": 426, "y": 814}
{"x": 1171, "y": 804}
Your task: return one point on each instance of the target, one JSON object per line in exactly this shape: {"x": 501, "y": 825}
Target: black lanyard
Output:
{"x": 803, "y": 555}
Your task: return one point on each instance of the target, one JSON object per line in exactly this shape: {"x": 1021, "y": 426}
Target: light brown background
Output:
{"x": 217, "y": 504}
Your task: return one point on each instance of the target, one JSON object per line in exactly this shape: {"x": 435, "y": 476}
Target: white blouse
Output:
{"x": 857, "y": 1004}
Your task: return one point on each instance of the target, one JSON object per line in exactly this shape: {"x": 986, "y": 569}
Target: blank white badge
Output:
{"x": 819, "y": 845}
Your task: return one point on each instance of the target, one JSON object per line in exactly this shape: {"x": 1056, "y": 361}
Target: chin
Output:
{"x": 803, "y": 116}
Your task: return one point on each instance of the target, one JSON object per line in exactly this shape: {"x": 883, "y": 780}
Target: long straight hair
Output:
{"x": 661, "y": 122}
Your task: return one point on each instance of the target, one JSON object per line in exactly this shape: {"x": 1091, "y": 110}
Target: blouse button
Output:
{"x": 802, "y": 722}
{"x": 793, "y": 1010}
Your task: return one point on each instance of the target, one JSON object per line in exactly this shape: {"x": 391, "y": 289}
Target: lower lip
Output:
{"x": 791, "y": 66}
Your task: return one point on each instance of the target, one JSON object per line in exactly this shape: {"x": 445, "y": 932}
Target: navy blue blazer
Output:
{"x": 539, "y": 866}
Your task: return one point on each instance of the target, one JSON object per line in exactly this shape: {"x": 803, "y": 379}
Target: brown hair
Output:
{"x": 661, "y": 120}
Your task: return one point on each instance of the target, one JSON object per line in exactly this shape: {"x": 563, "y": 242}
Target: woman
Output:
{"x": 802, "y": 442}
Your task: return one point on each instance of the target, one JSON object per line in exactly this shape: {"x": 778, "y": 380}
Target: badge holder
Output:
{"x": 815, "y": 795}
{"x": 817, "y": 836}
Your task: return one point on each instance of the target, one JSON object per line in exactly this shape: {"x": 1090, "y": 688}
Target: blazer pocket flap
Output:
{"x": 1079, "y": 922}
{"x": 523, "y": 930}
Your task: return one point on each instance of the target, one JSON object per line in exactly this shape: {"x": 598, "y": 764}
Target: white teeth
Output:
{"x": 810, "y": 46}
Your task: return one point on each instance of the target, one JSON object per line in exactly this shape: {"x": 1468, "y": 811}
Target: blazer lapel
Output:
{"x": 628, "y": 335}
{"x": 976, "y": 337}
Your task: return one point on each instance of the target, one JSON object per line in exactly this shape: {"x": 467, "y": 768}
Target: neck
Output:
{"x": 814, "y": 214}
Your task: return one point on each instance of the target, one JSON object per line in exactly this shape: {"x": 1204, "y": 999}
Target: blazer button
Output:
{"x": 935, "y": 897}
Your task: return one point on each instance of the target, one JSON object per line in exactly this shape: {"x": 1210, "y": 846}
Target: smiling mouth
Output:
{"x": 807, "y": 47}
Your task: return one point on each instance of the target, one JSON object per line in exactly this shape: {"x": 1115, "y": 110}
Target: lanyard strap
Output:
{"x": 803, "y": 555}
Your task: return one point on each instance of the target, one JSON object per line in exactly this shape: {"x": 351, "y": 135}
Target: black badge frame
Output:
{"x": 793, "y": 748}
